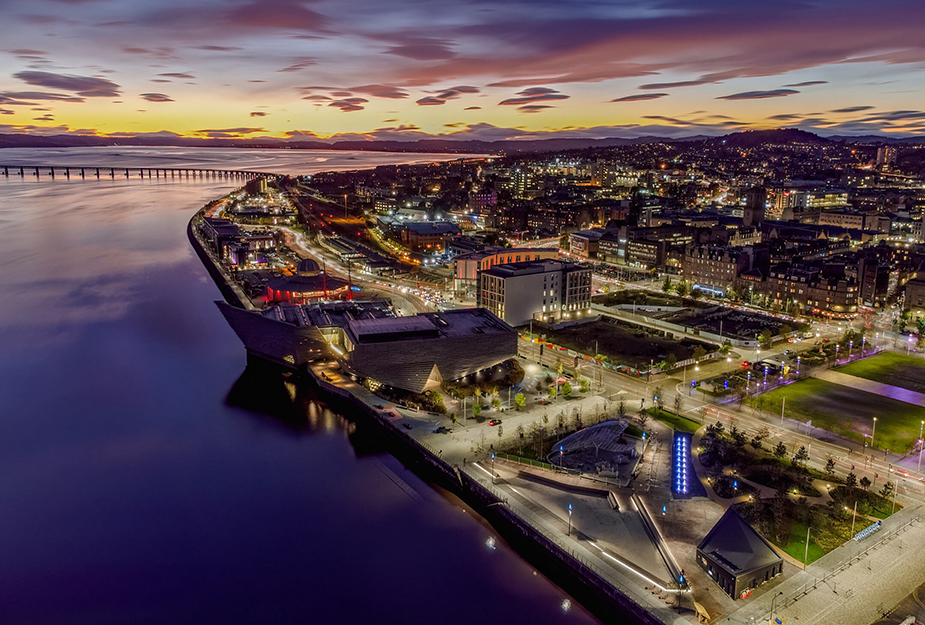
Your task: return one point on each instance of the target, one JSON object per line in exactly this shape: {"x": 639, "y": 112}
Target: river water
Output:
{"x": 147, "y": 476}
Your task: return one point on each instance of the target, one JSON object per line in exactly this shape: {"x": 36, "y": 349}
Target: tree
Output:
{"x": 738, "y": 437}
{"x": 666, "y": 285}
{"x": 539, "y": 385}
{"x": 765, "y": 339}
{"x": 643, "y": 419}
{"x": 659, "y": 398}
{"x": 520, "y": 401}
{"x": 566, "y": 390}
{"x": 500, "y": 432}
{"x": 559, "y": 367}
{"x": 830, "y": 467}
{"x": 865, "y": 483}
{"x": 478, "y": 394}
{"x": 552, "y": 392}
{"x": 699, "y": 353}
{"x": 784, "y": 330}
{"x": 725, "y": 348}
{"x": 621, "y": 408}
{"x": 756, "y": 443}
{"x": 800, "y": 457}
{"x": 495, "y": 401}
{"x": 780, "y": 450}
{"x": 887, "y": 491}
{"x": 851, "y": 480}
{"x": 584, "y": 386}
{"x": 453, "y": 418}
{"x": 519, "y": 433}
{"x": 476, "y": 410}
{"x": 548, "y": 379}
{"x": 682, "y": 288}
{"x": 677, "y": 403}
{"x": 670, "y": 361}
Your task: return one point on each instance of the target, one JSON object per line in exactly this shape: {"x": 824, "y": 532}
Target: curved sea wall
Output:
{"x": 594, "y": 592}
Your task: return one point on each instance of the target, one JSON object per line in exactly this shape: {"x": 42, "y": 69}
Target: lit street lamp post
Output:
{"x": 873, "y": 433}
{"x": 570, "y": 519}
{"x": 492, "y": 467}
{"x": 771, "y": 613}
{"x": 921, "y": 444}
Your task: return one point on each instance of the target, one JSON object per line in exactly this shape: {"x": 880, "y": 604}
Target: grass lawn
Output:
{"x": 890, "y": 368}
{"x": 796, "y": 546}
{"x": 633, "y": 430}
{"x": 681, "y": 424}
{"x": 847, "y": 411}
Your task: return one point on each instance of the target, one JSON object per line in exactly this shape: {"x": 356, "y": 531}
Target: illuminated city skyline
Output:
{"x": 467, "y": 69}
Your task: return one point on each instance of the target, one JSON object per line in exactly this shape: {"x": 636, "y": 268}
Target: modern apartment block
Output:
{"x": 545, "y": 290}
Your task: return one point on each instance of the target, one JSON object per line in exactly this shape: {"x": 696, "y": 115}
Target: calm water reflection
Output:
{"x": 147, "y": 476}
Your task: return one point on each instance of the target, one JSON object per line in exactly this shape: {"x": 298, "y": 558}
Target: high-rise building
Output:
{"x": 755, "y": 201}
{"x": 886, "y": 155}
{"x": 548, "y": 290}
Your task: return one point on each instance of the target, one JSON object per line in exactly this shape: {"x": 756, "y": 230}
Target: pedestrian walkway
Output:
{"x": 877, "y": 388}
{"x": 844, "y": 588}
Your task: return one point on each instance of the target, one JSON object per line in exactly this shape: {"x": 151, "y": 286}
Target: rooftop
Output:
{"x": 734, "y": 545}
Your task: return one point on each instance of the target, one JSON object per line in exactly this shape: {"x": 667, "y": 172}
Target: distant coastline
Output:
{"x": 440, "y": 145}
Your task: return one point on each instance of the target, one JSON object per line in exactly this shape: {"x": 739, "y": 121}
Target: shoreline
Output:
{"x": 601, "y": 598}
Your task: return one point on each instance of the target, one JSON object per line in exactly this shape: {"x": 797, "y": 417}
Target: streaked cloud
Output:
{"x": 640, "y": 97}
{"x": 86, "y": 86}
{"x": 156, "y": 97}
{"x": 534, "y": 94}
{"x": 759, "y": 95}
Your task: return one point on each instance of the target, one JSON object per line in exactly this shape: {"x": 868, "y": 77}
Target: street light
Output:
{"x": 771, "y": 613}
{"x": 921, "y": 444}
{"x": 873, "y": 433}
{"x": 492, "y": 467}
{"x": 570, "y": 519}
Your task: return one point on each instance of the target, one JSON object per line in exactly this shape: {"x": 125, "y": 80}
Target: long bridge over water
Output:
{"x": 66, "y": 171}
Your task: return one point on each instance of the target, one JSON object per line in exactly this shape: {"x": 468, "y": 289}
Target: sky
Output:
{"x": 460, "y": 69}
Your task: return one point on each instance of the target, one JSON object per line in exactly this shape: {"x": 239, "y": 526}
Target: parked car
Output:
{"x": 495, "y": 422}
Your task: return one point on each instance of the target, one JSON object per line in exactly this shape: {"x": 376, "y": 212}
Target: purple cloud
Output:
{"x": 640, "y": 97}
{"x": 534, "y": 108}
{"x": 86, "y": 86}
{"x": 534, "y": 94}
{"x": 808, "y": 83}
{"x": 179, "y": 75}
{"x": 759, "y": 95}
{"x": 156, "y": 97}
{"x": 852, "y": 109}
{"x": 348, "y": 105}
{"x": 8, "y": 96}
{"x": 299, "y": 64}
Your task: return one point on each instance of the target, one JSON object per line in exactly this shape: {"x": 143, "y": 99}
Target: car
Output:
{"x": 380, "y": 406}
{"x": 790, "y": 353}
{"x": 495, "y": 422}
{"x": 746, "y": 364}
{"x": 407, "y": 426}
{"x": 825, "y": 340}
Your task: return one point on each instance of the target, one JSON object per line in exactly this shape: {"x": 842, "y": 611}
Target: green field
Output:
{"x": 796, "y": 546}
{"x": 681, "y": 424}
{"x": 847, "y": 411}
{"x": 890, "y": 368}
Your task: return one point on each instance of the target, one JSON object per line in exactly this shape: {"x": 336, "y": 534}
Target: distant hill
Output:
{"x": 747, "y": 139}
{"x": 778, "y": 136}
